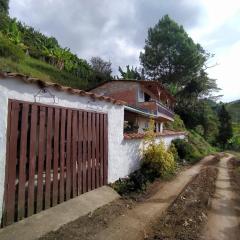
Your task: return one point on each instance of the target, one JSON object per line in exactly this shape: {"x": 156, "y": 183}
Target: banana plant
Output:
{"x": 48, "y": 55}
{"x": 15, "y": 35}
{"x": 59, "y": 56}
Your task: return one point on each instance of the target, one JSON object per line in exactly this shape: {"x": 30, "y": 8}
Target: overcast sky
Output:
{"x": 116, "y": 29}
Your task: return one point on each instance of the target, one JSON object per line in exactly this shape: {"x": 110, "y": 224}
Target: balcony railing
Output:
{"x": 162, "y": 109}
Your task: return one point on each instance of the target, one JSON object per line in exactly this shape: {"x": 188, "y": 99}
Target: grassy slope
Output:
{"x": 234, "y": 110}
{"x": 42, "y": 70}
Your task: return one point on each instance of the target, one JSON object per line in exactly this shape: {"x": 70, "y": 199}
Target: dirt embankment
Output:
{"x": 234, "y": 172}
{"x": 186, "y": 217}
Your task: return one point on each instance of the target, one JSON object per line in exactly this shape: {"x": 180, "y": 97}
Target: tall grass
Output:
{"x": 42, "y": 70}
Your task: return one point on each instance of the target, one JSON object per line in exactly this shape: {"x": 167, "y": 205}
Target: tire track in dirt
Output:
{"x": 224, "y": 215}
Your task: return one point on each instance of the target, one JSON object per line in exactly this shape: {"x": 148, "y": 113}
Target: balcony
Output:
{"x": 157, "y": 108}
{"x": 163, "y": 110}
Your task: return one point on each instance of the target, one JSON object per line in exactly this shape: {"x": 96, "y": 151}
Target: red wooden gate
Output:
{"x": 53, "y": 154}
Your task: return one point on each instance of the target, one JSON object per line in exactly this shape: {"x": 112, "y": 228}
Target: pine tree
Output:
{"x": 225, "y": 128}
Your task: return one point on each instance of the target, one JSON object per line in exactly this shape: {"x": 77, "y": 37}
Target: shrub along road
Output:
{"x": 134, "y": 223}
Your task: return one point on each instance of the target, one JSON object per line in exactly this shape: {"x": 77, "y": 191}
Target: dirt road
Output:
{"x": 135, "y": 224}
{"x": 223, "y": 218}
{"x": 131, "y": 223}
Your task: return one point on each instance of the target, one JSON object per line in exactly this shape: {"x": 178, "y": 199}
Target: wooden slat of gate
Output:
{"x": 93, "y": 151}
{"x": 84, "y": 173}
{"x": 32, "y": 159}
{"x": 5, "y": 212}
{"x": 97, "y": 151}
{"x": 22, "y": 162}
{"x": 74, "y": 153}
{"x": 101, "y": 149}
{"x": 105, "y": 177}
{"x": 12, "y": 143}
{"x": 41, "y": 154}
{"x": 89, "y": 152}
{"x": 48, "y": 158}
{"x": 80, "y": 151}
{"x": 68, "y": 156}
{"x": 56, "y": 158}
{"x": 62, "y": 155}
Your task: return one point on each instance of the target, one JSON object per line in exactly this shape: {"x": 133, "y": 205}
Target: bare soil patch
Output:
{"x": 86, "y": 227}
{"x": 215, "y": 160}
{"x": 234, "y": 172}
{"x": 223, "y": 217}
{"x": 186, "y": 217}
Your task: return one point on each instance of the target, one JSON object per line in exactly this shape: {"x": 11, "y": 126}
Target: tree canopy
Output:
{"x": 102, "y": 70}
{"x": 101, "y": 66}
{"x": 225, "y": 129}
{"x": 131, "y": 73}
{"x": 173, "y": 58}
{"x": 4, "y": 6}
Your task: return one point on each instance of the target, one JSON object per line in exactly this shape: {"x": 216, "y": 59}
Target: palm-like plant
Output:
{"x": 14, "y": 34}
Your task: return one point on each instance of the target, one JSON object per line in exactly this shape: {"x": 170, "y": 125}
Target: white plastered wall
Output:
{"x": 143, "y": 123}
{"x": 15, "y": 89}
{"x": 129, "y": 155}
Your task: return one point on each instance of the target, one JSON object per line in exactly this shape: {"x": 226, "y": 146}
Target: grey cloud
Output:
{"x": 92, "y": 28}
{"x": 225, "y": 35}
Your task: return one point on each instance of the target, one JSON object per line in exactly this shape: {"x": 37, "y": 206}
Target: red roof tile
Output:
{"x": 43, "y": 84}
{"x": 129, "y": 136}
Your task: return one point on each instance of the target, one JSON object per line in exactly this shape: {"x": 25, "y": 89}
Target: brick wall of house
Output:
{"x": 151, "y": 106}
{"x": 144, "y": 89}
{"x": 128, "y": 91}
{"x": 119, "y": 90}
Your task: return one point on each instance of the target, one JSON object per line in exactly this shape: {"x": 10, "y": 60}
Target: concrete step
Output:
{"x": 52, "y": 219}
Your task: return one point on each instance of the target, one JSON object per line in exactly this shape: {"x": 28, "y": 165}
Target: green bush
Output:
{"x": 177, "y": 124}
{"x": 9, "y": 50}
{"x": 200, "y": 143}
{"x": 135, "y": 182}
{"x": 158, "y": 160}
{"x": 200, "y": 130}
{"x": 234, "y": 143}
{"x": 174, "y": 151}
{"x": 187, "y": 151}
{"x": 194, "y": 148}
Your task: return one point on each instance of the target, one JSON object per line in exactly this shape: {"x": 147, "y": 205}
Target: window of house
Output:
{"x": 140, "y": 95}
{"x": 146, "y": 97}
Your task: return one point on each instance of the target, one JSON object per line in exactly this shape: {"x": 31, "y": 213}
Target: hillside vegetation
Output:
{"x": 234, "y": 110}
{"x": 27, "y": 51}
{"x": 39, "y": 69}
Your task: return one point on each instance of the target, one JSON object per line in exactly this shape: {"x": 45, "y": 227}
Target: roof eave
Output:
{"x": 58, "y": 87}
